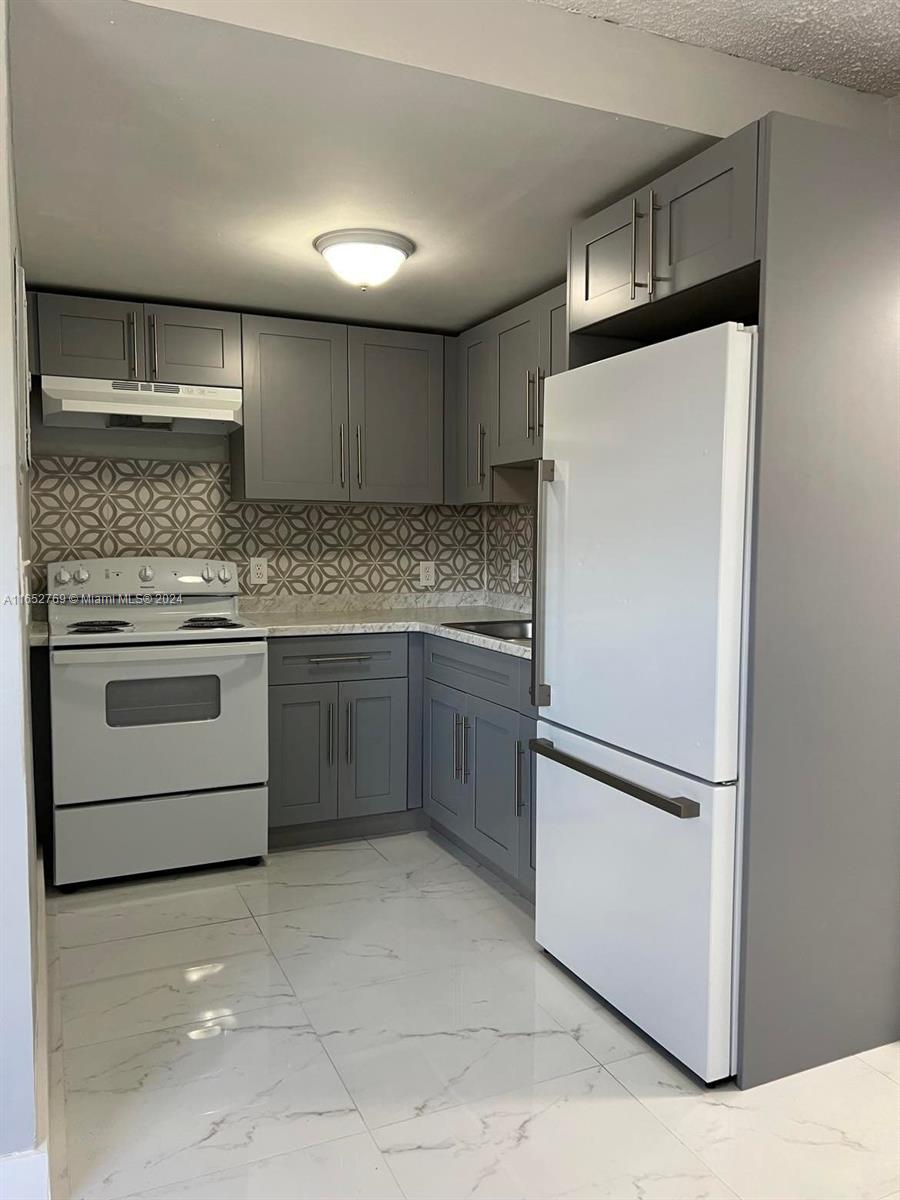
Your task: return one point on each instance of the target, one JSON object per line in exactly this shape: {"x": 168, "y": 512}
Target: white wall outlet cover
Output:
{"x": 426, "y": 574}
{"x": 259, "y": 570}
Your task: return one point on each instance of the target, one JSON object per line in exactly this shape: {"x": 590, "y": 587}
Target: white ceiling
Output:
{"x": 851, "y": 42}
{"x": 168, "y": 156}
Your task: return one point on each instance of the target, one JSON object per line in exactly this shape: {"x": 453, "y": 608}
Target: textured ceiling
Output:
{"x": 852, "y": 42}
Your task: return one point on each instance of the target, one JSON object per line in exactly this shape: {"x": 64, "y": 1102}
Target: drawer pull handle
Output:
{"x": 319, "y": 660}
{"x": 676, "y": 806}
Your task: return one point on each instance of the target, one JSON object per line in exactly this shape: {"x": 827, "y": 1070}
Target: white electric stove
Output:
{"x": 158, "y": 695}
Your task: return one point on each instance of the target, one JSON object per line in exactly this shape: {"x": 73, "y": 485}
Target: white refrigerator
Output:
{"x": 641, "y": 532}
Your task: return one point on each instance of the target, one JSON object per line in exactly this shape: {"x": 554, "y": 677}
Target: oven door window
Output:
{"x": 171, "y": 701}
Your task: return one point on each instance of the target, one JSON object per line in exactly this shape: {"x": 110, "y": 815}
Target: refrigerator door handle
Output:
{"x": 540, "y": 691}
{"x": 676, "y": 806}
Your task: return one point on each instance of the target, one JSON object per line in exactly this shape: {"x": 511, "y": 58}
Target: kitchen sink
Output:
{"x": 507, "y": 631}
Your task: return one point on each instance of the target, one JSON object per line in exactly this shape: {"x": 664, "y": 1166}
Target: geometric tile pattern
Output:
{"x": 100, "y": 507}
{"x": 509, "y": 536}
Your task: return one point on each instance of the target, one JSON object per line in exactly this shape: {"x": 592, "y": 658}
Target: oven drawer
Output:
{"x": 154, "y": 720}
{"x": 344, "y": 656}
{"x": 157, "y": 834}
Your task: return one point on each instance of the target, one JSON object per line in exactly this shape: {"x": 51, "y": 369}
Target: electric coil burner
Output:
{"x": 158, "y": 694}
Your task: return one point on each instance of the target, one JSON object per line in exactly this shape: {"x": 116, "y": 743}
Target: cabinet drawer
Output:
{"x": 489, "y": 674}
{"x": 344, "y": 656}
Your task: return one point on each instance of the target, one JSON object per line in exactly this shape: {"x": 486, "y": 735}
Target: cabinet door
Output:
{"x": 193, "y": 345}
{"x": 94, "y": 339}
{"x": 608, "y": 262}
{"x": 527, "y": 814}
{"x": 293, "y": 445}
{"x": 515, "y": 415}
{"x": 491, "y": 757}
{"x": 446, "y": 792}
{"x": 303, "y": 753}
{"x": 554, "y": 349}
{"x": 476, "y": 370}
{"x": 396, "y": 416}
{"x": 705, "y": 214}
{"x": 373, "y": 729}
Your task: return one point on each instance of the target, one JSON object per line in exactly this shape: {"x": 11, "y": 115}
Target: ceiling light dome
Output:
{"x": 364, "y": 257}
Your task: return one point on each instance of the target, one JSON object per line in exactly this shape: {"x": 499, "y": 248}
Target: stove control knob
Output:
{"x": 145, "y": 574}
{"x": 207, "y": 574}
{"x": 81, "y": 575}
{"x": 224, "y": 574}
{"x": 62, "y": 577}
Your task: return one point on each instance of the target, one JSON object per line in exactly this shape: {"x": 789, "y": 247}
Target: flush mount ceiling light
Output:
{"x": 364, "y": 257}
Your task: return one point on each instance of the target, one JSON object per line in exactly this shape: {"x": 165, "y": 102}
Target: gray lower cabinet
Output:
{"x": 303, "y": 772}
{"x": 294, "y": 440}
{"x": 373, "y": 739}
{"x": 90, "y": 337}
{"x": 492, "y": 762}
{"x": 446, "y": 795}
{"x": 528, "y": 810}
{"x": 193, "y": 345}
{"x": 396, "y": 385}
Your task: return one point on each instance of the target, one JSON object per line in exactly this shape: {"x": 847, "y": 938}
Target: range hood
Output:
{"x": 134, "y": 404}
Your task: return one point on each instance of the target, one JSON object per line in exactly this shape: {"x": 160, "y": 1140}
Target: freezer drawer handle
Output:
{"x": 676, "y": 806}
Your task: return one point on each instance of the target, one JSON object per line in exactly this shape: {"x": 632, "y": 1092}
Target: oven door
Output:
{"x": 150, "y": 720}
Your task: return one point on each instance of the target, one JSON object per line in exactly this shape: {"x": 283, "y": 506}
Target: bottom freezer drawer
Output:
{"x": 131, "y": 837}
{"x": 636, "y": 899}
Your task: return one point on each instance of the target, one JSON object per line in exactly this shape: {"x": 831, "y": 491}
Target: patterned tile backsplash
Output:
{"x": 100, "y": 508}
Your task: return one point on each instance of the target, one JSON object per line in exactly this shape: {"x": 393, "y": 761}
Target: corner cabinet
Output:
{"x": 293, "y": 443}
{"x": 396, "y": 391}
{"x": 693, "y": 224}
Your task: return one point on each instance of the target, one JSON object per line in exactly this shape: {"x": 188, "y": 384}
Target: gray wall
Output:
{"x": 18, "y": 1118}
{"x": 820, "y": 963}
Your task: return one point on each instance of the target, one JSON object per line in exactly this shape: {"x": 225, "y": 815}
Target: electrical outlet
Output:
{"x": 514, "y": 571}
{"x": 426, "y": 574}
{"x": 259, "y": 570}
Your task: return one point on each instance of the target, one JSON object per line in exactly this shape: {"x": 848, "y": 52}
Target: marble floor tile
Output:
{"x": 107, "y": 921}
{"x": 832, "y": 1133}
{"x": 579, "y": 1136}
{"x": 165, "y": 997}
{"x": 266, "y": 896}
{"x": 150, "y": 1111}
{"x": 604, "y": 1035}
{"x": 350, "y": 1168}
{"x": 430, "y": 1041}
{"x": 885, "y": 1059}
{"x": 420, "y": 849}
{"x": 337, "y": 862}
{"x": 190, "y": 947}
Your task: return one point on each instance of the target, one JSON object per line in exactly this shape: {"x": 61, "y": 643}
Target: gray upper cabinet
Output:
{"x": 608, "y": 263}
{"x": 476, "y": 383}
{"x": 396, "y": 416}
{"x": 515, "y": 414}
{"x": 294, "y": 440}
{"x": 697, "y": 222}
{"x": 373, "y": 740}
{"x": 446, "y": 796}
{"x": 704, "y": 214}
{"x": 491, "y": 746}
{"x": 554, "y": 350}
{"x": 193, "y": 345}
{"x": 303, "y": 753}
{"x": 91, "y": 338}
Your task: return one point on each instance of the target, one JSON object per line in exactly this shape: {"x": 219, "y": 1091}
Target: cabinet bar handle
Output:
{"x": 132, "y": 328}
{"x": 320, "y": 659}
{"x": 633, "y": 246}
{"x": 650, "y": 264}
{"x": 482, "y": 433}
{"x": 331, "y": 734}
{"x": 349, "y": 731}
{"x": 154, "y": 345}
{"x": 540, "y": 691}
{"x": 359, "y": 456}
{"x": 456, "y": 720}
{"x": 520, "y": 753}
{"x": 465, "y": 749}
{"x": 539, "y": 388}
{"x": 343, "y": 453}
{"x": 529, "y": 424}
{"x": 675, "y": 806}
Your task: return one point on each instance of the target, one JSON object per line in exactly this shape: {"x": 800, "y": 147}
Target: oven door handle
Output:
{"x": 115, "y": 655}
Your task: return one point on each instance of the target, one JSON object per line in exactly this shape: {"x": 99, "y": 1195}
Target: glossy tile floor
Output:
{"x": 373, "y": 1019}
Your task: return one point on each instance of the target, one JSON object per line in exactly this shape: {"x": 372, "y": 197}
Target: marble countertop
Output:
{"x": 290, "y": 623}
